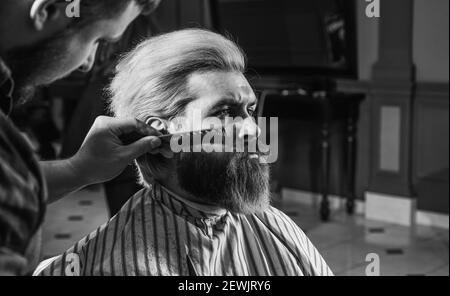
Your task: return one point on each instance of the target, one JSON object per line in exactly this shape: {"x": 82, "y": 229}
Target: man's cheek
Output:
{"x": 78, "y": 51}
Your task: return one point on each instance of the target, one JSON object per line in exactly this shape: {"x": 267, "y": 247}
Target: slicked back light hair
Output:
{"x": 152, "y": 79}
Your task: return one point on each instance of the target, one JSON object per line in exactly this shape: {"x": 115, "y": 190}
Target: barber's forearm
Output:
{"x": 102, "y": 157}
{"x": 62, "y": 178}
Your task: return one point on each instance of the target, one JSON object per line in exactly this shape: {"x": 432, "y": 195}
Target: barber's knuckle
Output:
{"x": 102, "y": 119}
{"x": 102, "y": 122}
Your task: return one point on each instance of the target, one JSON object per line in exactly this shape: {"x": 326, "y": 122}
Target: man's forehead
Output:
{"x": 220, "y": 85}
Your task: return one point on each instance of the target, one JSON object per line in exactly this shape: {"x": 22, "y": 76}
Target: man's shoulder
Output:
{"x": 280, "y": 225}
{"x": 274, "y": 215}
{"x": 80, "y": 259}
{"x": 295, "y": 240}
{"x": 134, "y": 203}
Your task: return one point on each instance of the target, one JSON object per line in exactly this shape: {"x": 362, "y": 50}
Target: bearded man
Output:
{"x": 201, "y": 213}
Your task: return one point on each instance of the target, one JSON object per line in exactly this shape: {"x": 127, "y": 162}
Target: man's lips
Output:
{"x": 222, "y": 148}
{"x": 253, "y": 156}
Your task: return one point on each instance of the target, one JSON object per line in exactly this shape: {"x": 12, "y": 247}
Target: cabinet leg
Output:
{"x": 325, "y": 205}
{"x": 350, "y": 164}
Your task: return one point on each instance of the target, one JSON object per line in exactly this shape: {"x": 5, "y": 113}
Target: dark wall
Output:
{"x": 176, "y": 14}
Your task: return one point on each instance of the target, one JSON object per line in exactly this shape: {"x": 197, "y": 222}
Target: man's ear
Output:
{"x": 48, "y": 12}
{"x": 158, "y": 124}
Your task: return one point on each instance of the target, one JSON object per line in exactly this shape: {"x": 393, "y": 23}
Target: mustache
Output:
{"x": 219, "y": 138}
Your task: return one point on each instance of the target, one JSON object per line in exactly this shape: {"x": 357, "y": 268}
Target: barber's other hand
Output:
{"x": 103, "y": 155}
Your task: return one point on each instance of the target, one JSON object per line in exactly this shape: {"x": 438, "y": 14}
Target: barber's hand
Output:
{"x": 104, "y": 155}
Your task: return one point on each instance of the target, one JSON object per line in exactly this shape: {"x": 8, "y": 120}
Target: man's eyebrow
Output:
{"x": 230, "y": 101}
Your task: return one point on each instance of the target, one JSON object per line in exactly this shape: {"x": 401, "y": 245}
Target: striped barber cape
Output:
{"x": 160, "y": 233}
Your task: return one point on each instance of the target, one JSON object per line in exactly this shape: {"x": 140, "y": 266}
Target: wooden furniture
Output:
{"x": 323, "y": 107}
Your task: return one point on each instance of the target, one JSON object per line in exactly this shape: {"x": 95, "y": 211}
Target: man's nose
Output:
{"x": 249, "y": 129}
{"x": 89, "y": 63}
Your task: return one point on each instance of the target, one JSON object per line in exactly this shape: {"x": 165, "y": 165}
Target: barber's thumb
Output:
{"x": 142, "y": 146}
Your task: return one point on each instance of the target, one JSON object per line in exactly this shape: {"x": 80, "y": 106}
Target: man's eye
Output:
{"x": 223, "y": 113}
{"x": 252, "y": 112}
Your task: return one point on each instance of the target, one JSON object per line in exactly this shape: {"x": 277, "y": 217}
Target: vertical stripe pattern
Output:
{"x": 158, "y": 233}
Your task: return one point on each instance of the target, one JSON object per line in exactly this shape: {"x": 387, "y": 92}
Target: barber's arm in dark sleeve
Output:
{"x": 12, "y": 264}
{"x": 19, "y": 216}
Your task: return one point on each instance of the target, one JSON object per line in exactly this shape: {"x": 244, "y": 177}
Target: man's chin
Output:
{"x": 24, "y": 94}
{"x": 50, "y": 80}
{"x": 236, "y": 182}
{"x": 27, "y": 92}
{"x": 61, "y": 77}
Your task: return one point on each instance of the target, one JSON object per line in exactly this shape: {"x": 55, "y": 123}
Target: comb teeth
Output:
{"x": 168, "y": 137}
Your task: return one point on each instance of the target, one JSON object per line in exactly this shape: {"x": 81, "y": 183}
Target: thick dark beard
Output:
{"x": 229, "y": 180}
{"x": 35, "y": 65}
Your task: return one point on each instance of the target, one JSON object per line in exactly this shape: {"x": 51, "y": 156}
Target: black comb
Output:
{"x": 165, "y": 138}
{"x": 168, "y": 137}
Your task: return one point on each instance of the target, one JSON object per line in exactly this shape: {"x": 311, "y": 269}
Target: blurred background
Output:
{"x": 362, "y": 103}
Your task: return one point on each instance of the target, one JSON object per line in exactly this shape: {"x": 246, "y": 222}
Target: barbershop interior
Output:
{"x": 360, "y": 93}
